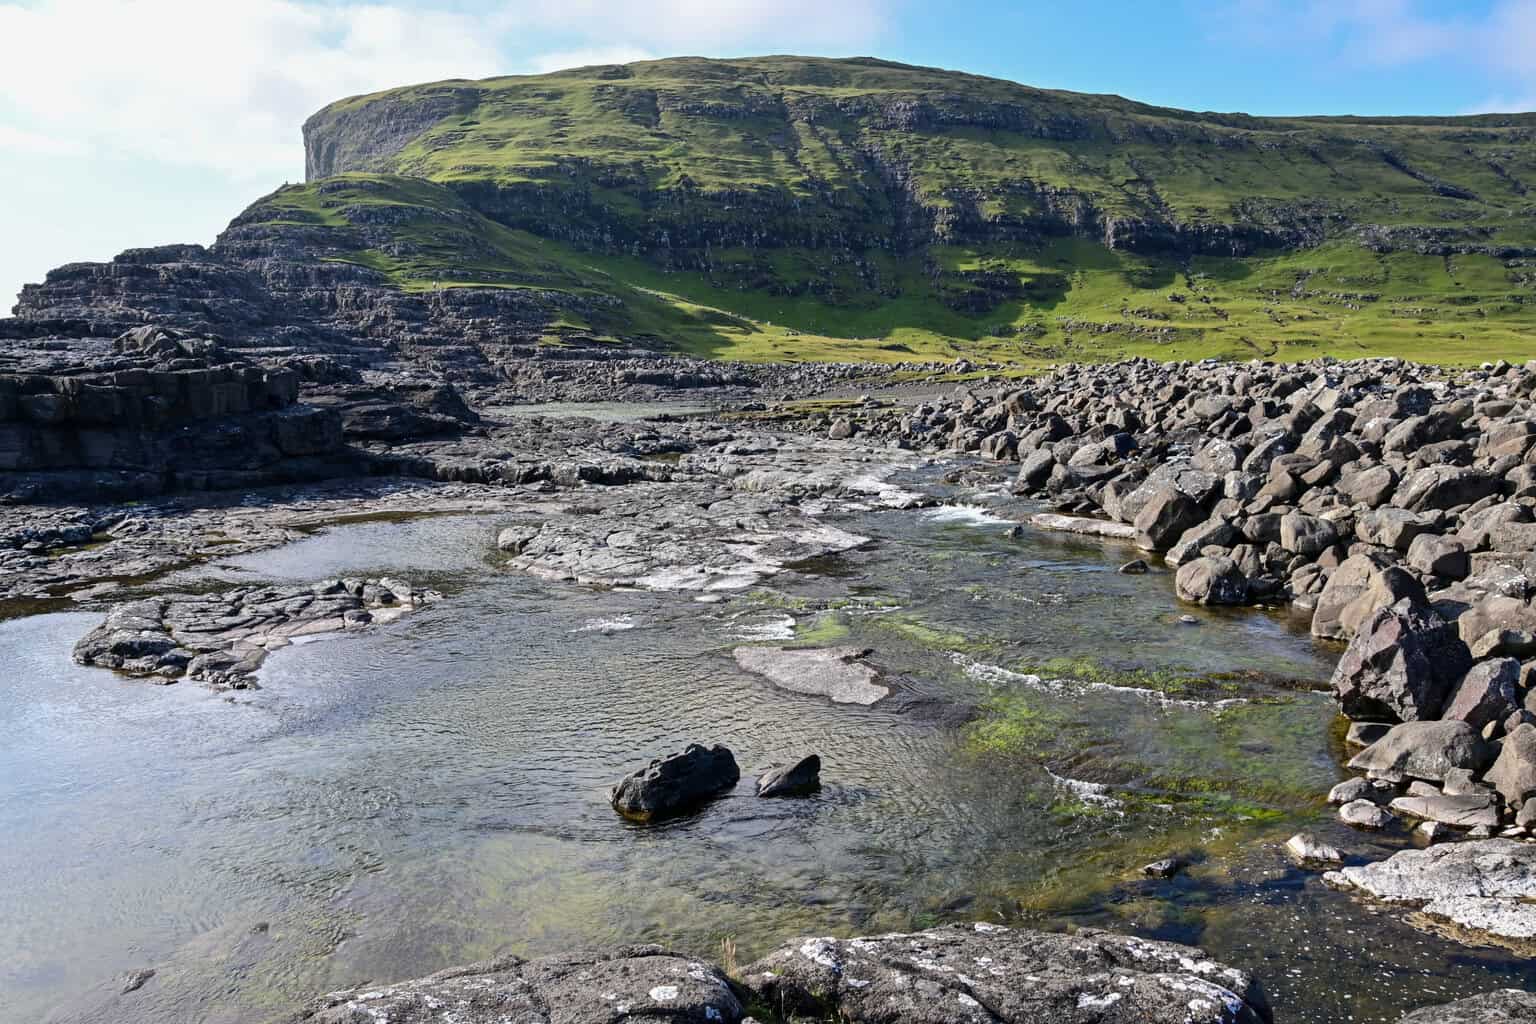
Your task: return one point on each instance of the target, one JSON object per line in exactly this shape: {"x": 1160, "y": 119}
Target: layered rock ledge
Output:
{"x": 963, "y": 974}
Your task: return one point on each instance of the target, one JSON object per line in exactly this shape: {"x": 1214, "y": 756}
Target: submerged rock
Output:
{"x": 984, "y": 973}
{"x": 804, "y": 776}
{"x": 838, "y": 673}
{"x": 1306, "y": 848}
{"x": 636, "y": 983}
{"x": 1365, "y": 814}
{"x": 1486, "y": 886}
{"x": 676, "y": 782}
{"x": 1165, "y": 868}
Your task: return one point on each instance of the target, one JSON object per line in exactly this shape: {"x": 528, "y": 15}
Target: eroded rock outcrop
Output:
{"x": 969, "y": 974}
{"x": 640, "y": 983}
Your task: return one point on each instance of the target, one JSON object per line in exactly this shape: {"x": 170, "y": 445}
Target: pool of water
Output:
{"x": 398, "y": 800}
{"x": 603, "y": 412}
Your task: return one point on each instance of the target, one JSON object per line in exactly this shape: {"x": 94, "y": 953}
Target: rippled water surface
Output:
{"x": 435, "y": 791}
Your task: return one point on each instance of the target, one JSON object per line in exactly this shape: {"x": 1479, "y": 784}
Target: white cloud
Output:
{"x": 18, "y": 140}
{"x": 216, "y": 84}
{"x": 225, "y": 84}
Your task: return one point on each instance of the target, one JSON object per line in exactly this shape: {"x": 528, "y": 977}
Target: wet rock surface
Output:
{"x": 676, "y": 783}
{"x": 223, "y": 639}
{"x": 838, "y": 673}
{"x": 975, "y": 973}
{"x": 797, "y": 779}
{"x": 1484, "y": 886}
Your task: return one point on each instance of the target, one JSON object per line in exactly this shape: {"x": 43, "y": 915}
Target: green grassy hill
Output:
{"x": 787, "y": 207}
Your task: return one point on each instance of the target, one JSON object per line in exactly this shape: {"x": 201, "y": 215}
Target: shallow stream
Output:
{"x": 397, "y": 800}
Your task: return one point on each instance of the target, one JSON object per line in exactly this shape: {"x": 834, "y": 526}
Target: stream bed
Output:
{"x": 400, "y": 799}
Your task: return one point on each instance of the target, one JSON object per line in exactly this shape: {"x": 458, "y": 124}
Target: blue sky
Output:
{"x": 139, "y": 122}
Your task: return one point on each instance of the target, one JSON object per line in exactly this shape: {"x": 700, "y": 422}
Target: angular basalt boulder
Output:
{"x": 1424, "y": 750}
{"x": 1357, "y": 589}
{"x": 1514, "y": 773}
{"x": 1486, "y": 886}
{"x": 986, "y": 974}
{"x": 676, "y": 783}
{"x": 1165, "y": 517}
{"x": 1489, "y": 692}
{"x": 1401, "y": 666}
{"x": 1211, "y": 581}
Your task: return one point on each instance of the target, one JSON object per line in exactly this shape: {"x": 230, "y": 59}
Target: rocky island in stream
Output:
{"x": 386, "y": 643}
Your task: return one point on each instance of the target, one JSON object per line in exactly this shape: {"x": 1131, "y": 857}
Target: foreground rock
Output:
{"x": 984, "y": 973}
{"x": 639, "y": 983}
{"x": 223, "y": 639}
{"x": 838, "y": 673}
{"x": 676, "y": 783}
{"x": 1484, "y": 886}
{"x": 1509, "y": 1006}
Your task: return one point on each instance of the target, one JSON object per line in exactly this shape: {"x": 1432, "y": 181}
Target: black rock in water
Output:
{"x": 804, "y": 776}
{"x": 677, "y": 782}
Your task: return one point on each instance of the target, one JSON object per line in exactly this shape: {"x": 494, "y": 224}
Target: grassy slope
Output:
{"x": 717, "y": 130}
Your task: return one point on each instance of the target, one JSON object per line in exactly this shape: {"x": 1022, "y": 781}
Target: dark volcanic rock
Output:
{"x": 639, "y": 983}
{"x": 804, "y": 776}
{"x": 970, "y": 974}
{"x": 676, "y": 782}
{"x": 1401, "y": 665}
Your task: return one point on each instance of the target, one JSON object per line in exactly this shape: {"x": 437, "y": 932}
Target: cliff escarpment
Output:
{"x": 788, "y": 208}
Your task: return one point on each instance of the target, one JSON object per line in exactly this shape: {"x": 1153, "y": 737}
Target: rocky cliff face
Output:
{"x": 155, "y": 411}
{"x": 691, "y": 154}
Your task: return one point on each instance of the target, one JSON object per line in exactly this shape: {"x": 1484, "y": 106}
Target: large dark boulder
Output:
{"x": 1362, "y": 585}
{"x": 1165, "y": 517}
{"x": 1401, "y": 665}
{"x": 1211, "y": 581}
{"x": 986, "y": 974}
{"x": 675, "y": 783}
{"x": 635, "y": 983}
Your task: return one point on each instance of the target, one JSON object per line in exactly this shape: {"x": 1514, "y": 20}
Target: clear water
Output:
{"x": 602, "y": 412}
{"x": 433, "y": 792}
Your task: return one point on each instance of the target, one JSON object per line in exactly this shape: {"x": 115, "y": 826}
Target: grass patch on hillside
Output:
{"x": 1075, "y": 299}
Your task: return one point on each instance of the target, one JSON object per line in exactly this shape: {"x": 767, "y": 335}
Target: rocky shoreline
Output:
{"x": 1394, "y": 506}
